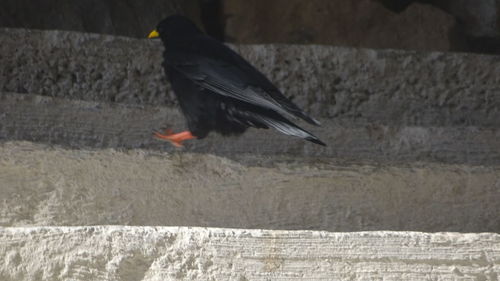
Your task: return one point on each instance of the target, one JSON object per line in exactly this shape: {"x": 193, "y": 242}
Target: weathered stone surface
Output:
{"x": 362, "y": 23}
{"x": 386, "y": 87}
{"x": 51, "y": 186}
{"x": 163, "y": 253}
{"x": 121, "y": 17}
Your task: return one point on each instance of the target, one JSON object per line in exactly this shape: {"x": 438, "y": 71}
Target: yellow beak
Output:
{"x": 154, "y": 34}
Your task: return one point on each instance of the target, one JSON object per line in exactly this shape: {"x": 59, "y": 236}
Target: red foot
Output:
{"x": 175, "y": 139}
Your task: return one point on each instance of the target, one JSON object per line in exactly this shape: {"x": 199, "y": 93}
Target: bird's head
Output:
{"x": 175, "y": 26}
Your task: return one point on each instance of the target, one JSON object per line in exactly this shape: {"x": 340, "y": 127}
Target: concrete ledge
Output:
{"x": 82, "y": 124}
{"x": 171, "y": 253}
{"x": 41, "y": 185}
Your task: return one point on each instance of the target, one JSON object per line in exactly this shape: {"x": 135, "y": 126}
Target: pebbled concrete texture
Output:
{"x": 171, "y": 253}
{"x": 386, "y": 86}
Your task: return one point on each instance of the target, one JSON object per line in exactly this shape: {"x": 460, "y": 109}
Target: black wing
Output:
{"x": 213, "y": 66}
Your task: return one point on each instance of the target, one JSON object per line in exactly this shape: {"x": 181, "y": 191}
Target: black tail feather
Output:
{"x": 316, "y": 141}
{"x": 283, "y": 125}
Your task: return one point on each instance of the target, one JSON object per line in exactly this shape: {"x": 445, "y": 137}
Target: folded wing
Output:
{"x": 230, "y": 75}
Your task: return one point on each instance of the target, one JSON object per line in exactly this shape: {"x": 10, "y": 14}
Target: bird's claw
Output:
{"x": 175, "y": 139}
{"x": 168, "y": 136}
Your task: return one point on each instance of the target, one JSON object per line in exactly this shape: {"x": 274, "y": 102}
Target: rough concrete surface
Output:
{"x": 52, "y": 186}
{"x": 385, "y": 86}
{"x": 164, "y": 253}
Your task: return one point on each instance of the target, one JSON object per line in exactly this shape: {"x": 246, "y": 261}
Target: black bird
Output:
{"x": 218, "y": 90}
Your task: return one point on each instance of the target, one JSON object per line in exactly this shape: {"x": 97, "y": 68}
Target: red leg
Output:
{"x": 175, "y": 139}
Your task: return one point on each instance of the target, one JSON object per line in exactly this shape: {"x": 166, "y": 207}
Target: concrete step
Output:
{"x": 47, "y": 185}
{"x": 178, "y": 253}
{"x": 77, "y": 124}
